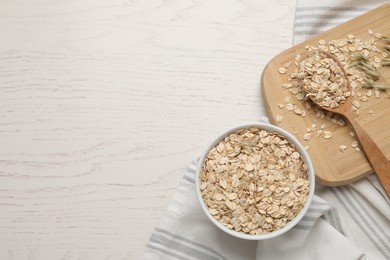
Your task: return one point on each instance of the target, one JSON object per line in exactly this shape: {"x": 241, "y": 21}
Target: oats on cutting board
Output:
{"x": 362, "y": 59}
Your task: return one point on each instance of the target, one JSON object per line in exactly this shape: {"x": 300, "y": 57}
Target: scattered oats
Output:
{"x": 357, "y": 149}
{"x": 341, "y": 122}
{"x": 279, "y": 118}
{"x": 322, "y": 42}
{"x": 307, "y": 136}
{"x": 297, "y": 111}
{"x": 319, "y": 133}
{"x": 343, "y": 148}
{"x": 281, "y": 106}
{"x": 355, "y": 144}
{"x": 364, "y": 98}
{"x": 357, "y": 112}
{"x": 351, "y": 36}
{"x": 323, "y": 126}
{"x": 377, "y": 93}
{"x": 378, "y": 35}
{"x": 308, "y": 129}
{"x": 282, "y": 70}
{"x": 377, "y": 59}
{"x": 320, "y": 114}
{"x": 289, "y": 106}
{"x": 327, "y": 134}
{"x": 307, "y": 147}
{"x": 341, "y": 43}
{"x": 356, "y": 104}
{"x": 371, "y": 112}
{"x": 351, "y": 133}
{"x": 370, "y": 32}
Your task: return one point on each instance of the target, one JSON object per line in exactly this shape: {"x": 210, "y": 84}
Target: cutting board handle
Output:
{"x": 375, "y": 156}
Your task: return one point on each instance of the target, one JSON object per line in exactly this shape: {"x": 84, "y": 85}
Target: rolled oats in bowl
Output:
{"x": 255, "y": 181}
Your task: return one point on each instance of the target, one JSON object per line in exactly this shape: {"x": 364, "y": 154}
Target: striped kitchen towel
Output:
{"x": 185, "y": 232}
{"x": 315, "y": 17}
{"x": 363, "y": 206}
{"x": 349, "y": 222}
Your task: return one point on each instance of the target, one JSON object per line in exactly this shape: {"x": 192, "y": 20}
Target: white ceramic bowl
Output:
{"x": 305, "y": 158}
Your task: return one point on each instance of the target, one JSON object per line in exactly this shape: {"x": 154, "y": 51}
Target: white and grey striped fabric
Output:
{"x": 314, "y": 17}
{"x": 363, "y": 206}
{"x": 184, "y": 232}
{"x": 349, "y": 222}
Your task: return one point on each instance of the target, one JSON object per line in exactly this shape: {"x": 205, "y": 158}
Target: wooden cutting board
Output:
{"x": 333, "y": 167}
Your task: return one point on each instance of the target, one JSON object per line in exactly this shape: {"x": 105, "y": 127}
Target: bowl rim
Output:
{"x": 305, "y": 156}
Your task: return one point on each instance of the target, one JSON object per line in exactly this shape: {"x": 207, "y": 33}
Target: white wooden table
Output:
{"x": 103, "y": 104}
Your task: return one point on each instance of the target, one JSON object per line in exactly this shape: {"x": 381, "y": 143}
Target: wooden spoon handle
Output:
{"x": 375, "y": 156}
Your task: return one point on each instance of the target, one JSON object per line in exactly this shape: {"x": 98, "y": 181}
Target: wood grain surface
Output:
{"x": 333, "y": 167}
{"x": 103, "y": 104}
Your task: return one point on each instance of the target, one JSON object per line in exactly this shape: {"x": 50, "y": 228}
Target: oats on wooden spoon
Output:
{"x": 326, "y": 84}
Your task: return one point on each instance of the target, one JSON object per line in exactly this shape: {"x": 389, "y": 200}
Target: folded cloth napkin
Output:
{"x": 185, "y": 232}
{"x": 349, "y": 222}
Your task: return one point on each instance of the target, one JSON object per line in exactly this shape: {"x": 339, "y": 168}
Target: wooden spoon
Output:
{"x": 375, "y": 156}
